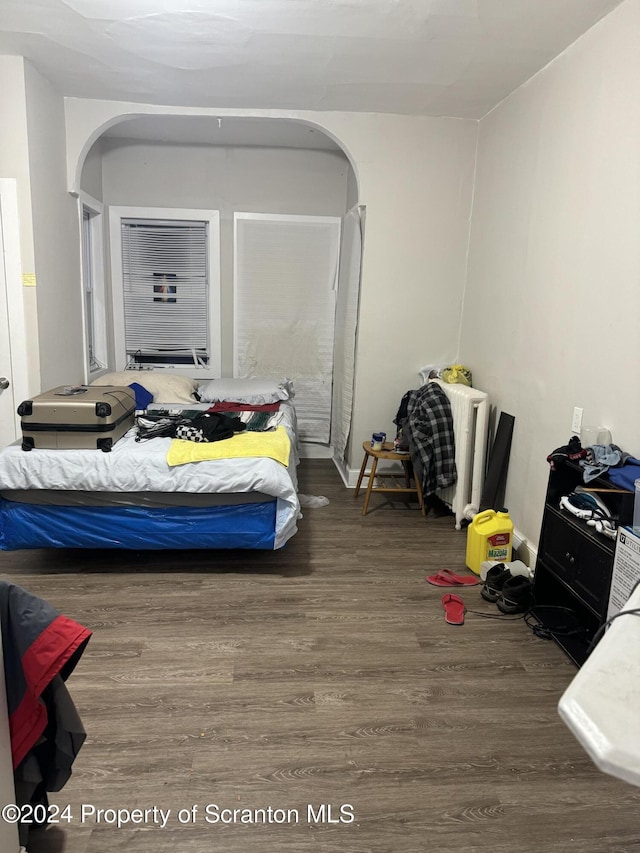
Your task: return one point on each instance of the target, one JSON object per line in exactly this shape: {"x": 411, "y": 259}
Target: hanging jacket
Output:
{"x": 38, "y": 644}
{"x": 428, "y": 428}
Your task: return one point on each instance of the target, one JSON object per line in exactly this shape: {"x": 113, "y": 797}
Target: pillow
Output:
{"x": 165, "y": 387}
{"x": 252, "y": 392}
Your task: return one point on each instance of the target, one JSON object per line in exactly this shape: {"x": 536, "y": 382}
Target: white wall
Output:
{"x": 352, "y": 190}
{"x": 14, "y": 163}
{"x": 56, "y": 237}
{"x": 416, "y": 179}
{"x": 254, "y": 179}
{"x": 91, "y": 181}
{"x": 552, "y": 308}
{"x": 14, "y": 159}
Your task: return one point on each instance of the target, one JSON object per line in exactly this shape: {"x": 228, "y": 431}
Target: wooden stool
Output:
{"x": 387, "y": 452}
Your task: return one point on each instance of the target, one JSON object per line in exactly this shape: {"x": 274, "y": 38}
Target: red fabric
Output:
{"x": 244, "y": 407}
{"x": 26, "y": 725}
{"x": 44, "y": 659}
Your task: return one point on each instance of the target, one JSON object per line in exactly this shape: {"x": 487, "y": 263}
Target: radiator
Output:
{"x": 470, "y": 410}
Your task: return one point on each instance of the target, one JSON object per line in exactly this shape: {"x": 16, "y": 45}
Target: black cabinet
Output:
{"x": 574, "y": 566}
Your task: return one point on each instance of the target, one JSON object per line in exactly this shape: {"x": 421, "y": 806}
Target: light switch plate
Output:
{"x": 576, "y": 423}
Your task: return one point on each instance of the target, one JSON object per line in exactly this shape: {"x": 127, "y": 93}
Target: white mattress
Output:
{"x": 141, "y": 466}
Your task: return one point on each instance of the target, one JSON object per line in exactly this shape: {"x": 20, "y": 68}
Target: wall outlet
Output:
{"x": 576, "y": 422}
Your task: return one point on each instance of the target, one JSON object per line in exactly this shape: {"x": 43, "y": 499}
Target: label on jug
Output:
{"x": 498, "y": 546}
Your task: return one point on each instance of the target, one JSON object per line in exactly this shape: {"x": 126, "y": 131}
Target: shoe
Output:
{"x": 516, "y": 596}
{"x": 454, "y": 609}
{"x": 445, "y": 577}
{"x": 495, "y": 580}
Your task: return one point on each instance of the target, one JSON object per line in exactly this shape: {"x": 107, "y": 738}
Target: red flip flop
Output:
{"x": 453, "y": 609}
{"x": 445, "y": 577}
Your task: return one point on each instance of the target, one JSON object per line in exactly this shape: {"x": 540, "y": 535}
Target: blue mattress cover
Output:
{"x": 130, "y": 527}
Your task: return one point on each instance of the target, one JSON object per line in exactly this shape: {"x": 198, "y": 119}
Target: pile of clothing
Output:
{"x": 621, "y": 467}
{"x": 208, "y": 426}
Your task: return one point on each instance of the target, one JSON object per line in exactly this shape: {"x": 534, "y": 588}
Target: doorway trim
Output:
{"x": 9, "y": 222}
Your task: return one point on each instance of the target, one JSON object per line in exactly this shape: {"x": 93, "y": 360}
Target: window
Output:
{"x": 166, "y": 288}
{"x": 286, "y": 271}
{"x": 93, "y": 286}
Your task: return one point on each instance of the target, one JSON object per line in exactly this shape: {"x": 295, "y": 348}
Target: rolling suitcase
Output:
{"x": 77, "y": 417}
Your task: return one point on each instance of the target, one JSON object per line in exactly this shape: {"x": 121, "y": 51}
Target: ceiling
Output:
{"x": 418, "y": 57}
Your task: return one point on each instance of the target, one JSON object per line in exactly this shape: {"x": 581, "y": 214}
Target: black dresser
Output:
{"x": 575, "y": 563}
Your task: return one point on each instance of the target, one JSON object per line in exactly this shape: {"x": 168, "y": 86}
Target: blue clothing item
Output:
{"x": 143, "y": 397}
{"x": 625, "y": 476}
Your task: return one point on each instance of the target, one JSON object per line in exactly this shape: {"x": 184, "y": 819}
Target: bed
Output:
{"x": 161, "y": 493}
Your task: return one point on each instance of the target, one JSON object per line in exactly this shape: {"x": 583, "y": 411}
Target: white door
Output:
{"x": 9, "y": 269}
{"x": 13, "y": 368}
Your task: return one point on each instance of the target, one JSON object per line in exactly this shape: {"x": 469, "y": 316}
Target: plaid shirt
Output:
{"x": 429, "y": 430}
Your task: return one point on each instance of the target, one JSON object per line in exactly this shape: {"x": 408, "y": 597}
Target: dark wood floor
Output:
{"x": 321, "y": 674}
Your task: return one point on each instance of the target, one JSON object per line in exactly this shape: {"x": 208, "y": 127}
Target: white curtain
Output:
{"x": 286, "y": 270}
{"x": 346, "y": 329}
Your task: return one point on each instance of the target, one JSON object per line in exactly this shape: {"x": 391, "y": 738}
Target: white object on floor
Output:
{"x": 313, "y": 500}
{"x": 517, "y": 567}
{"x": 600, "y": 706}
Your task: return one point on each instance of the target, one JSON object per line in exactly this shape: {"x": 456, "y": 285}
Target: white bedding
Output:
{"x": 134, "y": 466}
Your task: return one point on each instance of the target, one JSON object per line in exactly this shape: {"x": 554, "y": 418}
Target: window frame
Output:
{"x": 94, "y": 327}
{"x": 212, "y": 218}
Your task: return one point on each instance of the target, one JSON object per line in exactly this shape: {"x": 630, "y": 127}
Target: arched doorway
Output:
{"x": 249, "y": 165}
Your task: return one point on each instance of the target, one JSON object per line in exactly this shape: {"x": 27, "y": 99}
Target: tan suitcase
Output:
{"x": 77, "y": 417}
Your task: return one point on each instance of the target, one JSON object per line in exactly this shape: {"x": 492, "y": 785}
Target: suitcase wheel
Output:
{"x": 28, "y": 443}
{"x": 105, "y": 444}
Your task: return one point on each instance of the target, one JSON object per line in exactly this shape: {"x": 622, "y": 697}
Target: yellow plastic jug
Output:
{"x": 489, "y": 537}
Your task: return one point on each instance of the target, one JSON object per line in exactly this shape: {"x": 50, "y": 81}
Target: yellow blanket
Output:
{"x": 275, "y": 444}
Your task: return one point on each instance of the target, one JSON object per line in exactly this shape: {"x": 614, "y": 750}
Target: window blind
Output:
{"x": 284, "y": 309}
{"x": 165, "y": 287}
